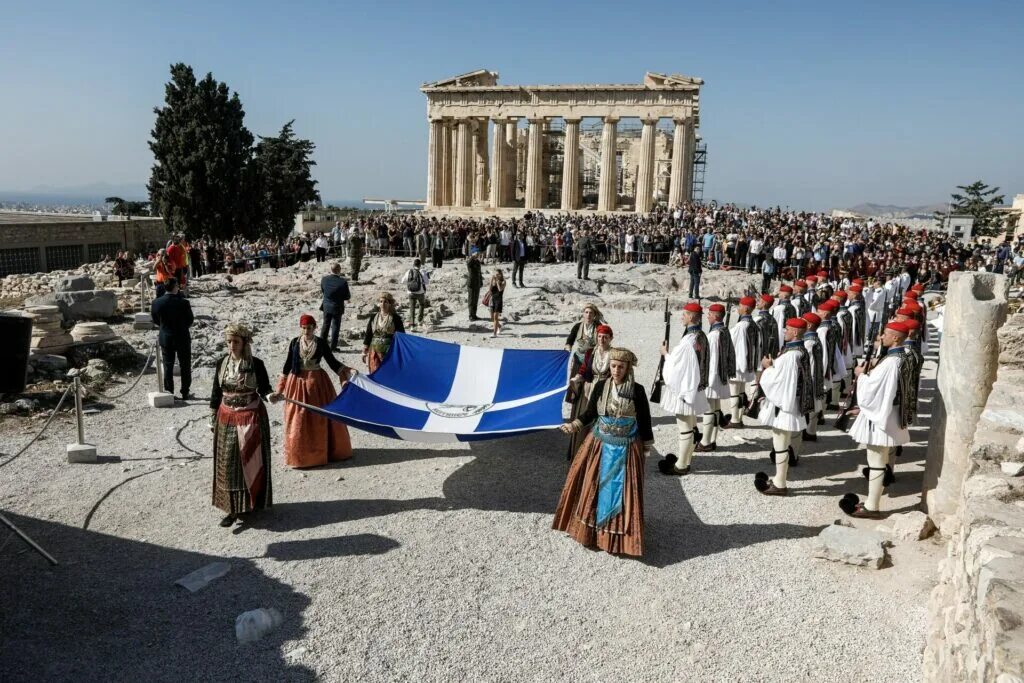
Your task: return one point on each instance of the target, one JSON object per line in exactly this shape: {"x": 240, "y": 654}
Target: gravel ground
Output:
{"x": 426, "y": 563}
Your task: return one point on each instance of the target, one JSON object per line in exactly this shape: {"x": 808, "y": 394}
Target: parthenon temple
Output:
{"x": 504, "y": 149}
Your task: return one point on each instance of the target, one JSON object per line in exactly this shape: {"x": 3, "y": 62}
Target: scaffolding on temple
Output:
{"x": 700, "y": 162}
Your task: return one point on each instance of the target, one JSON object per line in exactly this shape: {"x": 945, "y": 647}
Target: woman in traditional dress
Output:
{"x": 311, "y": 439}
{"x": 380, "y": 331}
{"x": 582, "y": 338}
{"x": 602, "y": 503}
{"x": 241, "y": 428}
{"x": 593, "y": 369}
{"x": 496, "y": 292}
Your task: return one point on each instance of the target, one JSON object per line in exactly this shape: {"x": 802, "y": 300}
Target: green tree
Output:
{"x": 982, "y": 202}
{"x": 285, "y": 184}
{"x": 121, "y": 207}
{"x": 118, "y": 206}
{"x": 202, "y": 180}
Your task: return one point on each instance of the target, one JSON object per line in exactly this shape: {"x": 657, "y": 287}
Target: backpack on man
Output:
{"x": 414, "y": 282}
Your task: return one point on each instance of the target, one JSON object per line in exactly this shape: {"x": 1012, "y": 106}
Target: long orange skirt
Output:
{"x": 624, "y": 533}
{"x": 310, "y": 439}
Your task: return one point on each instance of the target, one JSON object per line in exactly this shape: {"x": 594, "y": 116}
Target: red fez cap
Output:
{"x": 898, "y": 327}
{"x": 798, "y": 323}
{"x": 822, "y": 274}
{"x": 828, "y": 305}
{"x": 748, "y": 301}
{"x": 912, "y": 294}
{"x": 605, "y": 329}
{"x": 716, "y": 308}
{"x": 841, "y": 294}
{"x": 855, "y": 288}
{"x": 812, "y": 278}
{"x": 785, "y": 288}
{"x": 903, "y": 310}
{"x": 692, "y": 307}
{"x": 307, "y": 319}
{"x": 911, "y": 324}
{"x": 800, "y": 283}
{"x": 918, "y": 287}
{"x": 913, "y": 305}
{"x": 858, "y": 281}
{"x": 768, "y": 299}
{"x": 812, "y": 318}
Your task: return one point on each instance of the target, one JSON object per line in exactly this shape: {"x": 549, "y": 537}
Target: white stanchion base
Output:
{"x": 81, "y": 452}
{"x": 160, "y": 399}
{"x": 143, "y": 321}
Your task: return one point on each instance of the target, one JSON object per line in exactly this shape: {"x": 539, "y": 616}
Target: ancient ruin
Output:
{"x": 540, "y": 154}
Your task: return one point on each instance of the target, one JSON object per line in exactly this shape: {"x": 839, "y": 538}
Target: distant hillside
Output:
{"x": 890, "y": 211}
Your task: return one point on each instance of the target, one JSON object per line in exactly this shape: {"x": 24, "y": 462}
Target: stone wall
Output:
{"x": 977, "y": 610}
{"x": 35, "y": 246}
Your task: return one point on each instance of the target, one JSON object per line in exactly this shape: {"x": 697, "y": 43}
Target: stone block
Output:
{"x": 87, "y": 305}
{"x": 160, "y": 399}
{"x": 81, "y": 453}
{"x": 911, "y": 526}
{"x": 143, "y": 321}
{"x": 88, "y": 332}
{"x": 1013, "y": 469}
{"x": 852, "y": 546}
{"x": 75, "y": 283}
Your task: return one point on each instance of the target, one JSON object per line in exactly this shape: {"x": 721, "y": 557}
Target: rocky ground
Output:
{"x": 414, "y": 562}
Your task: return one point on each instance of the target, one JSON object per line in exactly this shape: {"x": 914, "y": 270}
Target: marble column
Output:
{"x": 480, "y": 190}
{"x": 447, "y": 164}
{"x": 571, "y": 166}
{"x": 512, "y": 176}
{"x": 499, "y": 165}
{"x": 677, "y": 182}
{"x": 608, "y": 182}
{"x": 435, "y": 164}
{"x": 535, "y": 164}
{"x": 464, "y": 166}
{"x": 645, "y": 172}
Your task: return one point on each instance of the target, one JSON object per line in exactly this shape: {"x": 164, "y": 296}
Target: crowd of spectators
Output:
{"x": 776, "y": 243}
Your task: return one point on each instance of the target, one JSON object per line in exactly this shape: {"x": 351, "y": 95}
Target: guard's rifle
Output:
{"x": 659, "y": 379}
{"x": 850, "y": 407}
{"x": 728, "y": 312}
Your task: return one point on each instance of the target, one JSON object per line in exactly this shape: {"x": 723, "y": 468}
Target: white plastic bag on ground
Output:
{"x": 253, "y": 625}
{"x": 201, "y": 577}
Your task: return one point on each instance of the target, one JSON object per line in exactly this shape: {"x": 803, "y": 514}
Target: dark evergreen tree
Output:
{"x": 285, "y": 183}
{"x": 982, "y": 202}
{"x": 202, "y": 179}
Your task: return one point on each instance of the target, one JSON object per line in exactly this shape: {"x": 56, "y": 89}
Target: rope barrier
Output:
{"x": 99, "y": 394}
{"x": 40, "y": 433}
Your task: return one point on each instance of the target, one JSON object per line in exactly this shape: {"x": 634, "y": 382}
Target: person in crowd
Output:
{"x": 496, "y": 295}
{"x": 746, "y": 341}
{"x": 695, "y": 269}
{"x": 356, "y": 244}
{"x": 123, "y": 268}
{"x": 380, "y": 331}
{"x": 310, "y": 439}
{"x": 686, "y": 374}
{"x": 172, "y": 313}
{"x": 602, "y": 501}
{"x": 163, "y": 270}
{"x": 519, "y": 258}
{"x": 721, "y": 369}
{"x": 788, "y": 397}
{"x": 321, "y": 245}
{"x": 474, "y": 281}
{"x": 582, "y": 248}
{"x": 241, "y": 429}
{"x": 437, "y": 249}
{"x": 416, "y": 281}
{"x": 885, "y": 401}
{"x": 335, "y": 292}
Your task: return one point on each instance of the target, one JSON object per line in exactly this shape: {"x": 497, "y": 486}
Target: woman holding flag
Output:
{"x": 602, "y": 502}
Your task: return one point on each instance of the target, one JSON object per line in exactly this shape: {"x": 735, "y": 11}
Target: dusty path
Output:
{"x": 420, "y": 563}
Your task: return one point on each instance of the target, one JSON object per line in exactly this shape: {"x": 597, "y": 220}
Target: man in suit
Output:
{"x": 518, "y": 258}
{"x": 582, "y": 249}
{"x": 335, "y": 292}
{"x": 173, "y": 313}
{"x": 475, "y": 281}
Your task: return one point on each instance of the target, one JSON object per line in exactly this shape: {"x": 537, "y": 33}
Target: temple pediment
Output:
{"x": 480, "y": 77}
{"x": 653, "y": 80}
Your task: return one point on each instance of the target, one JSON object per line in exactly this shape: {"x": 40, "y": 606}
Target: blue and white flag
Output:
{"x": 434, "y": 392}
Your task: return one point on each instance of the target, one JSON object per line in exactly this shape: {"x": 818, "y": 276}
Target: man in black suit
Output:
{"x": 518, "y": 258}
{"x": 335, "y": 291}
{"x": 173, "y": 313}
{"x": 582, "y": 249}
{"x": 475, "y": 281}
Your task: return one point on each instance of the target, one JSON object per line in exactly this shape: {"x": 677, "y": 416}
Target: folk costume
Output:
{"x": 788, "y": 398}
{"x": 311, "y": 439}
{"x": 859, "y": 313}
{"x": 845, "y": 320}
{"x": 241, "y": 431}
{"x": 820, "y": 382}
{"x": 582, "y": 339}
{"x": 831, "y": 335}
{"x": 686, "y": 373}
{"x": 721, "y": 368}
{"x": 380, "y": 332}
{"x": 746, "y": 342}
{"x": 595, "y": 367}
{"x": 782, "y": 311}
{"x": 884, "y": 396}
{"x": 602, "y": 502}
{"x": 766, "y": 324}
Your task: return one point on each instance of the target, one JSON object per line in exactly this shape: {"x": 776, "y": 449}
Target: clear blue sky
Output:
{"x": 811, "y": 104}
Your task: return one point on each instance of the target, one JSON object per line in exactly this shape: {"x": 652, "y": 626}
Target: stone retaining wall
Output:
{"x": 977, "y": 610}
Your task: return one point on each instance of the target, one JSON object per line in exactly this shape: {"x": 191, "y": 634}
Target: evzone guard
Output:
{"x": 721, "y": 368}
{"x": 746, "y": 342}
{"x": 816, "y": 350}
{"x": 686, "y": 377}
{"x": 788, "y": 398}
{"x": 884, "y": 396}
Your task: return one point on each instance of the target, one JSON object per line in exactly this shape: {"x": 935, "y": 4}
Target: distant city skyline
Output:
{"x": 804, "y": 105}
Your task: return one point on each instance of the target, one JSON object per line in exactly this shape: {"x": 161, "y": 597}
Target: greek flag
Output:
{"x": 434, "y": 392}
